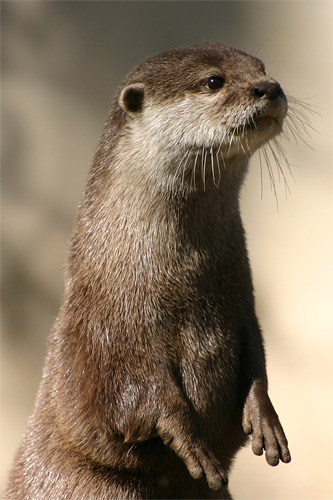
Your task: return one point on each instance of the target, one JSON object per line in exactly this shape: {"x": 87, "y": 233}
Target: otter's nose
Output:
{"x": 267, "y": 90}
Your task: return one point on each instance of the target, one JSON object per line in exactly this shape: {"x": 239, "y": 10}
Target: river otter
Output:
{"x": 155, "y": 373}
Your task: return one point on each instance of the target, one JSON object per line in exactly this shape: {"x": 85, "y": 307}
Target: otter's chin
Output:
{"x": 267, "y": 127}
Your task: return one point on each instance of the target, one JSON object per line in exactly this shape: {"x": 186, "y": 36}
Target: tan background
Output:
{"x": 61, "y": 63}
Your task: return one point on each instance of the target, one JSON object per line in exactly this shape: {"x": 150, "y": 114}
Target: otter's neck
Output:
{"x": 145, "y": 203}
{"x": 143, "y": 176}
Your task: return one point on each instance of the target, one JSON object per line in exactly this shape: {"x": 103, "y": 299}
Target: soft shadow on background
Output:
{"x": 61, "y": 64}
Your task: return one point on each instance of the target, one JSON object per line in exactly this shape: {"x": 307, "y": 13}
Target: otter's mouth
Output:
{"x": 259, "y": 127}
{"x": 259, "y": 122}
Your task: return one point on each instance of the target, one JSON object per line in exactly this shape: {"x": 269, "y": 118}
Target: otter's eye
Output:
{"x": 215, "y": 83}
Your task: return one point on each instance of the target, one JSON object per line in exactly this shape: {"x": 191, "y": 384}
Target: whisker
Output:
{"x": 279, "y": 168}
{"x": 178, "y": 169}
{"x": 271, "y": 174}
{"x": 231, "y": 140}
{"x": 181, "y": 168}
{"x": 298, "y": 120}
{"x": 261, "y": 179}
{"x": 212, "y": 166}
{"x": 194, "y": 169}
{"x": 203, "y": 166}
{"x": 213, "y": 169}
{"x": 184, "y": 167}
{"x": 218, "y": 168}
{"x": 282, "y": 152}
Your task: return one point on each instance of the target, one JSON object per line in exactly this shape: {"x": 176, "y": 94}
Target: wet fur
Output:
{"x": 156, "y": 369}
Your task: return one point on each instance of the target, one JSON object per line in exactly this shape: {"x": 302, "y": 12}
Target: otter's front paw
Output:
{"x": 192, "y": 449}
{"x": 199, "y": 460}
{"x": 261, "y": 421}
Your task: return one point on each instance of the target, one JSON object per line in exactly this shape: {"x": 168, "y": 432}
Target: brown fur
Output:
{"x": 157, "y": 355}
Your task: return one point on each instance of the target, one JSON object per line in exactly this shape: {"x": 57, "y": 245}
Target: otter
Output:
{"x": 155, "y": 374}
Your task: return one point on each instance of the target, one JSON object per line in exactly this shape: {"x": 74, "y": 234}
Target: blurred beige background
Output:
{"x": 61, "y": 63}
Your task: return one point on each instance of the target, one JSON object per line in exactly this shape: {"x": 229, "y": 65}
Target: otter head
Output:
{"x": 212, "y": 97}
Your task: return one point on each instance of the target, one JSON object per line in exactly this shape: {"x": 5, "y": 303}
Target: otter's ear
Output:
{"x": 131, "y": 98}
